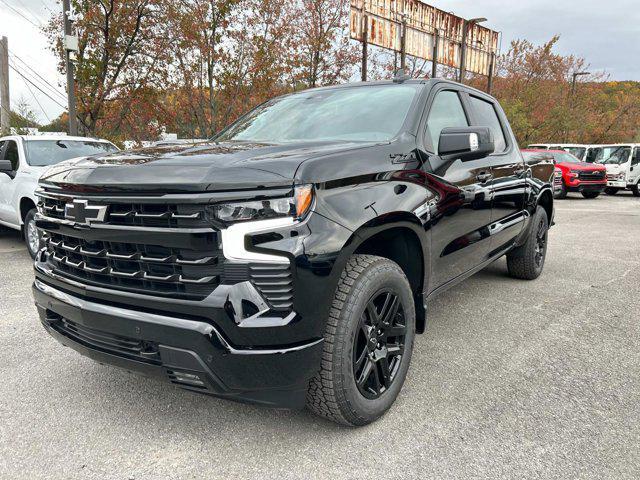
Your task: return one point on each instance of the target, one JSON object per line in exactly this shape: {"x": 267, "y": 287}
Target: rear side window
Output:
{"x": 446, "y": 112}
{"x": 488, "y": 117}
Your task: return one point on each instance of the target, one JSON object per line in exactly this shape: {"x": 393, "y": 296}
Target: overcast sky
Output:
{"x": 607, "y": 34}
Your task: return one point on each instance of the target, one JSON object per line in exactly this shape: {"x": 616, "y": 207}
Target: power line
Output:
{"x": 26, "y": 9}
{"x": 36, "y": 86}
{"x": 36, "y": 100}
{"x": 51, "y": 86}
{"x": 21, "y": 14}
{"x": 46, "y": 94}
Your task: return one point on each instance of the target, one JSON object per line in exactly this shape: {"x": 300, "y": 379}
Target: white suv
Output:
{"x": 23, "y": 159}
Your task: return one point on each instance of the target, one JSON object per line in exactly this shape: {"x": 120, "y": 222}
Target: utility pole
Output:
{"x": 70, "y": 45}
{"x": 5, "y": 104}
{"x": 365, "y": 43}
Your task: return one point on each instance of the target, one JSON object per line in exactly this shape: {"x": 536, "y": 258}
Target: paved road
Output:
{"x": 511, "y": 380}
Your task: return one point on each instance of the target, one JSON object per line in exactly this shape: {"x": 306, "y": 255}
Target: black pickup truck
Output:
{"x": 290, "y": 260}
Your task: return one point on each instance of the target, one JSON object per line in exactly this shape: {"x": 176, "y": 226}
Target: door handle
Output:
{"x": 484, "y": 177}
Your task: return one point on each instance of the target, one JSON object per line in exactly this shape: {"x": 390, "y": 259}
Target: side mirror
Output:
{"x": 466, "y": 143}
{"x": 6, "y": 167}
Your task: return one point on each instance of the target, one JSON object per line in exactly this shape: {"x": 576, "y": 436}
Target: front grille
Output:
{"x": 120, "y": 346}
{"x": 169, "y": 215}
{"x": 557, "y": 180}
{"x": 130, "y": 251}
{"x": 137, "y": 267}
{"x": 594, "y": 176}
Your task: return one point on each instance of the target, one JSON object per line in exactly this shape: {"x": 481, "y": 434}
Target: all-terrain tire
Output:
{"x": 611, "y": 190}
{"x": 334, "y": 393}
{"x": 527, "y": 262}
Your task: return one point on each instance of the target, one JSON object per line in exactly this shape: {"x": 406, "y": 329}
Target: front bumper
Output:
{"x": 617, "y": 184}
{"x": 191, "y": 354}
{"x": 586, "y": 186}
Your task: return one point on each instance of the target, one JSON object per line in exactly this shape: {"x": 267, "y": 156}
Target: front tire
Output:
{"x": 636, "y": 190}
{"x": 590, "y": 195}
{"x": 527, "y": 262}
{"x": 367, "y": 343}
{"x": 611, "y": 190}
{"x": 32, "y": 236}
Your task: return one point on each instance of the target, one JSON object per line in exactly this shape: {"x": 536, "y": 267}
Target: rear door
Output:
{"x": 460, "y": 235}
{"x": 508, "y": 182}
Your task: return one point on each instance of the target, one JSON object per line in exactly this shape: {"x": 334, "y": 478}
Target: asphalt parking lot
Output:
{"x": 511, "y": 380}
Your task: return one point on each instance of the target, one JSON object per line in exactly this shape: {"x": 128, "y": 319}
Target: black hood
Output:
{"x": 190, "y": 168}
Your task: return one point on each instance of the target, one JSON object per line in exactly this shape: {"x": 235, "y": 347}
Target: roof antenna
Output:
{"x": 400, "y": 76}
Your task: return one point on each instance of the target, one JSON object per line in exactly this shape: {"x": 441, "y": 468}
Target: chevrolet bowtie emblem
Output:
{"x": 80, "y": 211}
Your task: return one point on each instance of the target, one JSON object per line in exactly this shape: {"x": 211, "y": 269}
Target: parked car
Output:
{"x": 623, "y": 167}
{"x": 23, "y": 159}
{"x": 586, "y": 178}
{"x": 289, "y": 260}
{"x": 557, "y": 181}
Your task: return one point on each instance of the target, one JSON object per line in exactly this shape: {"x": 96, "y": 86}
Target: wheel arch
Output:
{"x": 26, "y": 204}
{"x": 400, "y": 237}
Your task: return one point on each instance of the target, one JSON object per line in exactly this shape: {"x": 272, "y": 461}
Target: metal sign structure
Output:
{"x": 412, "y": 27}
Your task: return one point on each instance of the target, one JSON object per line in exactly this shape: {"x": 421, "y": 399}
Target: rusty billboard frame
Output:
{"x": 413, "y": 27}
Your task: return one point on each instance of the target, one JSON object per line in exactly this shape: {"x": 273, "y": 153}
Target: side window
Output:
{"x": 11, "y": 153}
{"x": 636, "y": 157}
{"x": 488, "y": 117}
{"x": 595, "y": 154}
{"x": 446, "y": 111}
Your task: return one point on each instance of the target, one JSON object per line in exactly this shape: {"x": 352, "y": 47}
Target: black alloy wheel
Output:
{"x": 542, "y": 236}
{"x": 379, "y": 344}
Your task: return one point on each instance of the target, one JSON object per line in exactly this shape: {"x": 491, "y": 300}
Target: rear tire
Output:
{"x": 367, "y": 343}
{"x": 611, "y": 190}
{"x": 562, "y": 193}
{"x": 590, "y": 194}
{"x": 32, "y": 236}
{"x": 527, "y": 262}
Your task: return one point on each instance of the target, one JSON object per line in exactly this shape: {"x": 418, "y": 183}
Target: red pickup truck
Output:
{"x": 587, "y": 178}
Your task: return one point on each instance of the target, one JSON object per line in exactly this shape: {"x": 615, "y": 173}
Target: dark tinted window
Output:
{"x": 636, "y": 157}
{"x": 11, "y": 153}
{"x": 488, "y": 117}
{"x": 445, "y": 112}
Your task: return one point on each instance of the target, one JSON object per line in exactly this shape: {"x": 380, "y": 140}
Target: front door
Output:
{"x": 8, "y": 214}
{"x": 634, "y": 169}
{"x": 460, "y": 220}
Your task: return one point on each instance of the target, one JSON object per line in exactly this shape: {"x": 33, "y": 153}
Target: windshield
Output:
{"x": 41, "y": 153}
{"x": 565, "y": 158}
{"x": 614, "y": 155}
{"x": 372, "y": 113}
{"x": 577, "y": 151}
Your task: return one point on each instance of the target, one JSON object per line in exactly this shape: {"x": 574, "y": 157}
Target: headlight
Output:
{"x": 295, "y": 207}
